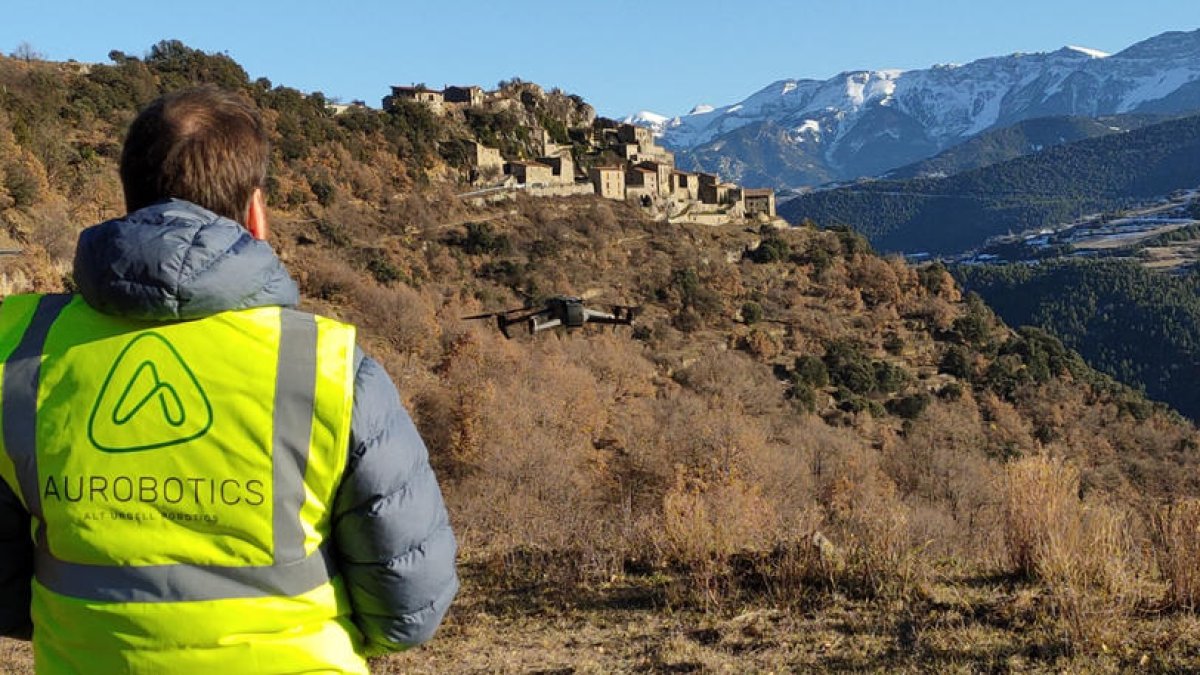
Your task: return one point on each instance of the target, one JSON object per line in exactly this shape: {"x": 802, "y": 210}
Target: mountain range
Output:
{"x": 799, "y": 132}
{"x": 961, "y": 211}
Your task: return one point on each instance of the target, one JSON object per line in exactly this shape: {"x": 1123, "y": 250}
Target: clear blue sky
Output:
{"x": 622, "y": 55}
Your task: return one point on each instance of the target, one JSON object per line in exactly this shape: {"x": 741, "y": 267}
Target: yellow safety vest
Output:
{"x": 181, "y": 479}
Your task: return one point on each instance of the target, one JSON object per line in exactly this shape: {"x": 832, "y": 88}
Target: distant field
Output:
{"x": 1171, "y": 257}
{"x": 1109, "y": 241}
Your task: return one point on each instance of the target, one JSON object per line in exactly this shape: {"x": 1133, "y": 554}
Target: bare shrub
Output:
{"x": 712, "y": 519}
{"x": 940, "y": 468}
{"x": 733, "y": 376}
{"x": 705, "y": 521}
{"x": 870, "y": 526}
{"x": 51, "y": 229}
{"x": 329, "y": 280}
{"x": 402, "y": 316}
{"x": 1176, "y": 531}
{"x": 525, "y": 467}
{"x": 761, "y": 343}
{"x": 877, "y": 280}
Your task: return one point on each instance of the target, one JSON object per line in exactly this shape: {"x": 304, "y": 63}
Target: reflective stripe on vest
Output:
{"x": 295, "y": 563}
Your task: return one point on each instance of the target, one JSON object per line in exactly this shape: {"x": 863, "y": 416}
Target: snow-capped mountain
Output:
{"x": 796, "y": 132}
{"x": 645, "y": 118}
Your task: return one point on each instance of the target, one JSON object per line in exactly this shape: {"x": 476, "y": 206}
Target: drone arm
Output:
{"x": 622, "y": 321}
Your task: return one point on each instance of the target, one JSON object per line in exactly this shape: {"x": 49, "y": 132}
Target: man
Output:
{"x": 196, "y": 477}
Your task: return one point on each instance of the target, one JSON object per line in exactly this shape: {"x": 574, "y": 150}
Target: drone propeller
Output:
{"x": 503, "y": 312}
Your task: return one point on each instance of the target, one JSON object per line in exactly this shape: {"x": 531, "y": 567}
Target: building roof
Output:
{"x": 522, "y": 162}
{"x": 414, "y": 90}
{"x": 642, "y": 169}
{"x": 758, "y": 192}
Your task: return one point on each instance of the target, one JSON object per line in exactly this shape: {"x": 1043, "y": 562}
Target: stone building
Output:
{"x": 562, "y": 167}
{"x": 720, "y": 193}
{"x": 608, "y": 181}
{"x": 531, "y": 173}
{"x": 550, "y": 148}
{"x": 486, "y": 163}
{"x": 657, "y": 153}
{"x": 685, "y": 185}
{"x": 630, "y": 152}
{"x": 470, "y": 95}
{"x": 641, "y": 182}
{"x": 631, "y": 133}
{"x": 419, "y": 94}
{"x": 759, "y": 200}
{"x": 662, "y": 172}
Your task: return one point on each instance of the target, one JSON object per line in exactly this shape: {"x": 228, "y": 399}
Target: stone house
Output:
{"x": 562, "y": 166}
{"x": 685, "y": 185}
{"x": 662, "y": 173}
{"x": 630, "y": 152}
{"x": 658, "y": 153}
{"x": 470, "y": 95}
{"x": 608, "y": 181}
{"x": 424, "y": 95}
{"x": 759, "y": 200}
{"x": 531, "y": 173}
{"x": 486, "y": 163}
{"x": 641, "y": 182}
{"x": 720, "y": 193}
{"x": 631, "y": 133}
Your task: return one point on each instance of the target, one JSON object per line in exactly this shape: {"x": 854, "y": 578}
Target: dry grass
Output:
{"x": 1086, "y": 553}
{"x": 1176, "y": 530}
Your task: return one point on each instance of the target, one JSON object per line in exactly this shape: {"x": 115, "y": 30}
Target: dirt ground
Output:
{"x": 987, "y": 625}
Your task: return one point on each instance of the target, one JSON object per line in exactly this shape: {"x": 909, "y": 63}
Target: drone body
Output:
{"x": 560, "y": 310}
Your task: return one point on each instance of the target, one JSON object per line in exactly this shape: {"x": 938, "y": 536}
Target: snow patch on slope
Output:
{"x": 1094, "y": 53}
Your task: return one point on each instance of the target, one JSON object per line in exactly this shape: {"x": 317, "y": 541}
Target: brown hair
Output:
{"x": 205, "y": 145}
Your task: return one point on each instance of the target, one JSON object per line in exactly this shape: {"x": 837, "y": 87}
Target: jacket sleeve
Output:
{"x": 394, "y": 545}
{"x": 16, "y": 566}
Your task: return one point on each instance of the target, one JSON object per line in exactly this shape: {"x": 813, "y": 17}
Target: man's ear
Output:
{"x": 256, "y": 215}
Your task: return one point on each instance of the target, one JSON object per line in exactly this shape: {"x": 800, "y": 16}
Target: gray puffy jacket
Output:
{"x": 394, "y": 546}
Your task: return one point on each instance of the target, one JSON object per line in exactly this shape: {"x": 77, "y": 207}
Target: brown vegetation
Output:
{"x": 875, "y": 473}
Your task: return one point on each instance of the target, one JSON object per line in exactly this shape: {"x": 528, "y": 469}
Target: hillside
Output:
{"x": 803, "y": 455}
{"x": 1018, "y": 140}
{"x": 1138, "y": 325}
{"x": 1054, "y": 186}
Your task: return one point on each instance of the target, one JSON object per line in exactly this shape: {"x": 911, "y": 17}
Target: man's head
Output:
{"x": 204, "y": 145}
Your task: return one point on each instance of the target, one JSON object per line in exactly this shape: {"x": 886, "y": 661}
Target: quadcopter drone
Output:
{"x": 560, "y": 310}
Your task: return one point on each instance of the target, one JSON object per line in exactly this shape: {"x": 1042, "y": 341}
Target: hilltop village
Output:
{"x": 604, "y": 157}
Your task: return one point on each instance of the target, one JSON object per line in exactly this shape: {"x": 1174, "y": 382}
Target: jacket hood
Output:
{"x": 174, "y": 260}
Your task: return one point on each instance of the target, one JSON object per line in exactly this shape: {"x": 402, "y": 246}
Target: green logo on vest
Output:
{"x": 150, "y": 399}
